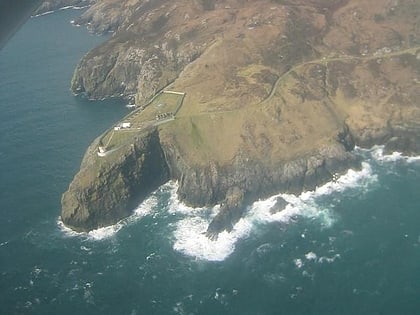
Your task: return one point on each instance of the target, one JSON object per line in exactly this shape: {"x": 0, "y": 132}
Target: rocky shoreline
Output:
{"x": 50, "y": 6}
{"x": 103, "y": 193}
{"x": 277, "y": 96}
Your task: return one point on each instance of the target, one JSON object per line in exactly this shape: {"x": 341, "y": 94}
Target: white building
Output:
{"x": 124, "y": 125}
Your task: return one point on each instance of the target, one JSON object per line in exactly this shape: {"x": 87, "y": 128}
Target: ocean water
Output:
{"x": 350, "y": 247}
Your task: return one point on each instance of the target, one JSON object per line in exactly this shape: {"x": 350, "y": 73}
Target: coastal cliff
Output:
{"x": 103, "y": 193}
{"x": 276, "y": 94}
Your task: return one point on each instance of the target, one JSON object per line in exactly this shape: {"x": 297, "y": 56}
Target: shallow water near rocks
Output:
{"x": 351, "y": 247}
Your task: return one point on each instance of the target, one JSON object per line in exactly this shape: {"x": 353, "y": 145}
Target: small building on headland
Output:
{"x": 124, "y": 125}
{"x": 101, "y": 151}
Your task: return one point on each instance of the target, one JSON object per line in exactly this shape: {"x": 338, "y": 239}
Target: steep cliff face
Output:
{"x": 103, "y": 193}
{"x": 146, "y": 53}
{"x": 245, "y": 179}
{"x": 206, "y": 185}
{"x": 277, "y": 95}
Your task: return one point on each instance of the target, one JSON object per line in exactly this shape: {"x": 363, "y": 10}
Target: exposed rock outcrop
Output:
{"x": 231, "y": 210}
{"x": 278, "y": 93}
{"x": 103, "y": 193}
{"x": 244, "y": 180}
{"x": 404, "y": 139}
{"x": 280, "y": 205}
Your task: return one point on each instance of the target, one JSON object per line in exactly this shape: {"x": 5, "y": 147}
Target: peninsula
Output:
{"x": 237, "y": 100}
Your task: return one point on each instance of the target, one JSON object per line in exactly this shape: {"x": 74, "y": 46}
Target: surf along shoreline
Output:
{"x": 188, "y": 225}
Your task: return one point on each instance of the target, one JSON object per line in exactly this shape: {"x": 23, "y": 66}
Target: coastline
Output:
{"x": 286, "y": 127}
{"x": 73, "y": 7}
{"x": 360, "y": 244}
{"x": 189, "y": 224}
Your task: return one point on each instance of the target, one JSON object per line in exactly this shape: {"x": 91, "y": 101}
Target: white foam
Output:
{"x": 192, "y": 241}
{"x": 298, "y": 263}
{"x": 329, "y": 259}
{"x": 98, "y": 234}
{"x": 144, "y": 209}
{"x": 305, "y": 204}
{"x": 177, "y": 207}
{"x": 311, "y": 256}
{"x": 189, "y": 233}
{"x": 377, "y": 152}
{"x": 351, "y": 179}
{"x": 60, "y": 9}
{"x": 74, "y": 7}
{"x": 104, "y": 232}
{"x": 42, "y": 14}
{"x": 190, "y": 230}
{"x": 413, "y": 159}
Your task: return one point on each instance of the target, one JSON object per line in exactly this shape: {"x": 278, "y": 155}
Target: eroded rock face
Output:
{"x": 146, "y": 53}
{"x": 231, "y": 210}
{"x": 243, "y": 180}
{"x": 103, "y": 193}
{"x": 278, "y": 93}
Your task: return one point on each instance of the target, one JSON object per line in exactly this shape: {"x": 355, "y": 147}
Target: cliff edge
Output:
{"x": 107, "y": 190}
{"x": 275, "y": 95}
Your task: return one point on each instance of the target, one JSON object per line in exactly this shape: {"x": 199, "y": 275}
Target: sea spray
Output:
{"x": 144, "y": 209}
{"x": 377, "y": 153}
{"x": 73, "y": 7}
{"x": 189, "y": 224}
{"x": 190, "y": 230}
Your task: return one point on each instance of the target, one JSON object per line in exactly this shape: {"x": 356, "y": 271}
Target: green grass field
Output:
{"x": 162, "y": 107}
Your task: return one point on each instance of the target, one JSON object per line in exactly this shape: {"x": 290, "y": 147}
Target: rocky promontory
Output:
{"x": 276, "y": 94}
{"x": 105, "y": 191}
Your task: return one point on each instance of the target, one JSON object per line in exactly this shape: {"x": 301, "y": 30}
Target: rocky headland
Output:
{"x": 278, "y": 93}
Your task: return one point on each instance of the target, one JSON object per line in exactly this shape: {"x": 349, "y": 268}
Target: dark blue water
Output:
{"x": 350, "y": 248}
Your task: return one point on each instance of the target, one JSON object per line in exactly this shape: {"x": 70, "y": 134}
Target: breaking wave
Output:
{"x": 188, "y": 226}
{"x": 377, "y": 153}
{"x": 144, "y": 209}
{"x": 61, "y": 9}
{"x": 189, "y": 233}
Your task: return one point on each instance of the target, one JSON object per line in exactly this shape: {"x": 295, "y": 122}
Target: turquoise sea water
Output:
{"x": 351, "y": 247}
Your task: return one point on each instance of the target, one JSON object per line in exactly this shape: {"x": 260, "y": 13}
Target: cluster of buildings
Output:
{"x": 164, "y": 115}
